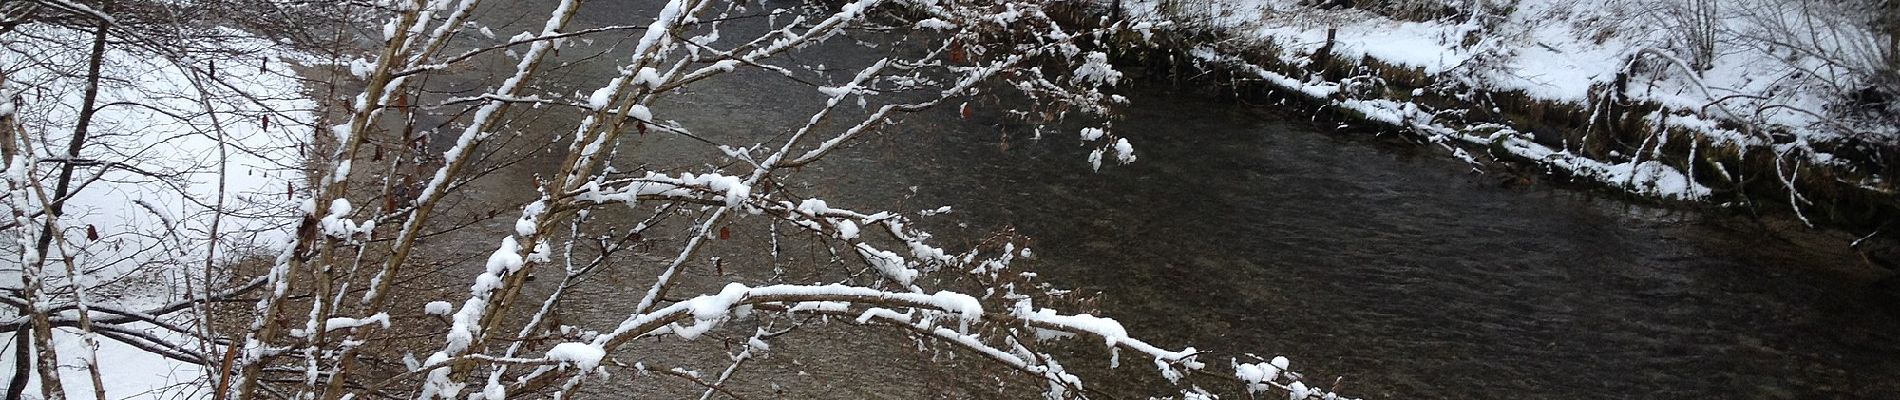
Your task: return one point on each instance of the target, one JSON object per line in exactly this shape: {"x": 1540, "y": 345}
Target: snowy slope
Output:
{"x": 159, "y": 169}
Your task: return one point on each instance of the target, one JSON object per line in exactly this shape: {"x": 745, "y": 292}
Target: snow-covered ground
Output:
{"x": 173, "y": 142}
{"x": 1571, "y": 52}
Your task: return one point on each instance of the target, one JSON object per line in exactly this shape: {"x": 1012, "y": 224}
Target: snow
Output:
{"x": 120, "y": 204}
{"x": 707, "y": 308}
{"x": 925, "y": 252}
{"x": 1297, "y": 391}
{"x": 1096, "y": 70}
{"x": 887, "y": 263}
{"x": 127, "y": 371}
{"x": 157, "y": 230}
{"x": 604, "y": 95}
{"x": 524, "y": 227}
{"x": 832, "y": 306}
{"x": 813, "y": 207}
{"x": 437, "y": 308}
{"x": 530, "y": 216}
{"x": 335, "y": 323}
{"x": 541, "y": 252}
{"x": 965, "y": 306}
{"x": 1257, "y": 375}
{"x": 640, "y": 112}
{"x": 438, "y": 382}
{"x": 1654, "y": 178}
{"x": 494, "y": 391}
{"x": 1558, "y": 51}
{"x": 360, "y": 68}
{"x": 1092, "y": 133}
{"x": 732, "y": 190}
{"x": 1124, "y": 152}
{"x": 342, "y": 172}
{"x": 1111, "y": 332}
{"x": 506, "y": 258}
{"x": 649, "y": 77}
{"x": 485, "y": 282}
{"x": 935, "y": 24}
{"x": 708, "y": 311}
{"x": 847, "y": 229}
{"x": 461, "y": 325}
{"x": 581, "y": 355}
{"x": 1642, "y": 177}
{"x": 336, "y": 223}
{"x": 835, "y": 91}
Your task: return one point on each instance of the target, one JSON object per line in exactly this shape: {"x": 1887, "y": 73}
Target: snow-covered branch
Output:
{"x": 360, "y": 229}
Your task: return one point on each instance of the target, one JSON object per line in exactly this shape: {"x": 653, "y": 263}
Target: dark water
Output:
{"x": 1243, "y": 229}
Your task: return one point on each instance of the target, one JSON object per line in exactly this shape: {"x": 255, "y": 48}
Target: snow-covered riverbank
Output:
{"x": 185, "y": 165}
{"x": 1612, "y": 92}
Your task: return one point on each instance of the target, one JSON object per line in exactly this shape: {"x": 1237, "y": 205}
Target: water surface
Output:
{"x": 1243, "y": 229}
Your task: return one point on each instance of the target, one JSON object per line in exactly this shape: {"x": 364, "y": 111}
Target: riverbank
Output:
{"x": 179, "y": 171}
{"x": 1513, "y": 83}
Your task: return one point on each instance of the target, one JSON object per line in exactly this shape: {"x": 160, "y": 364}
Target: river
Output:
{"x": 1243, "y": 228}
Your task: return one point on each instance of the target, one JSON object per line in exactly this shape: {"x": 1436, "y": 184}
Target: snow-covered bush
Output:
{"x": 1849, "y": 49}
{"x": 1694, "y": 26}
{"x": 272, "y": 246}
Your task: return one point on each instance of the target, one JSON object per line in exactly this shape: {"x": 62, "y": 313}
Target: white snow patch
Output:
{"x": 581, "y": 355}
{"x": 437, "y": 308}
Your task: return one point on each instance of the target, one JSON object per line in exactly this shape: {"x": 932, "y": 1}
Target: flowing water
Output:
{"x": 1244, "y": 229}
